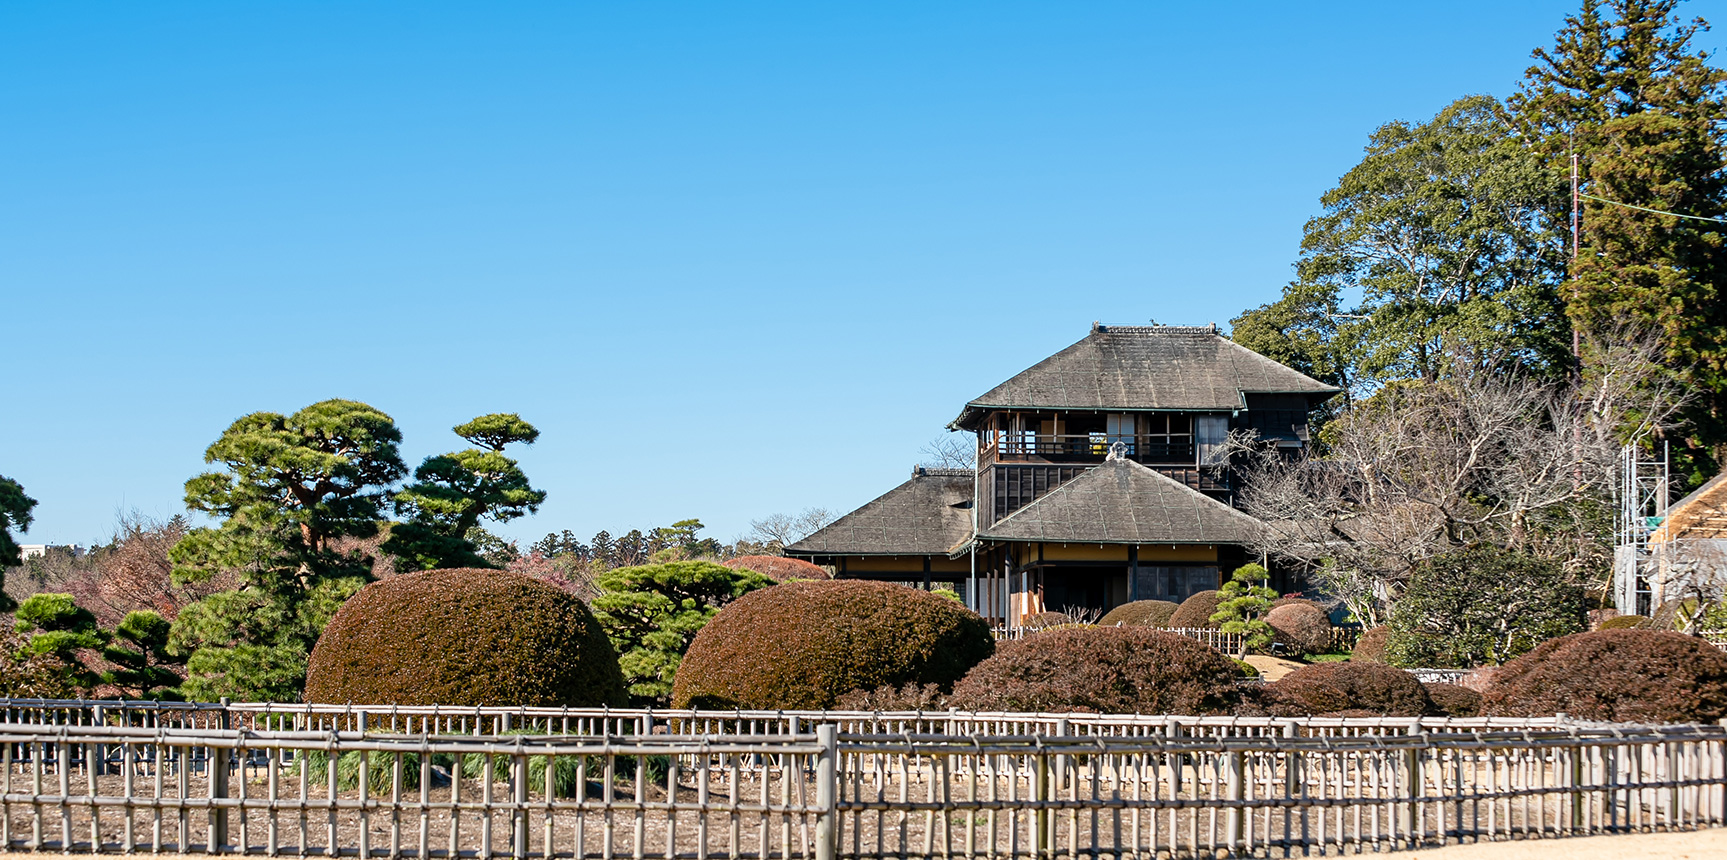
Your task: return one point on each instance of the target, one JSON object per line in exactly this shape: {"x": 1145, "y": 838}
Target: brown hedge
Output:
{"x": 777, "y": 568}
{"x": 1140, "y": 613}
{"x": 1114, "y": 670}
{"x": 1615, "y": 675}
{"x": 1302, "y": 627}
{"x": 1289, "y": 599}
{"x": 1355, "y": 688}
{"x": 1370, "y": 646}
{"x": 464, "y": 637}
{"x": 1453, "y": 700}
{"x": 1196, "y": 611}
{"x": 806, "y": 644}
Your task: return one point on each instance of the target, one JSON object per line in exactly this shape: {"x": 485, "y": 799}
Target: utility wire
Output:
{"x": 1654, "y": 211}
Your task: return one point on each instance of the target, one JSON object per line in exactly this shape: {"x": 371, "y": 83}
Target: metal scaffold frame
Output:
{"x": 1645, "y": 489}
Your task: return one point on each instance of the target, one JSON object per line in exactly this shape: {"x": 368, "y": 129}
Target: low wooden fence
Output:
{"x": 1342, "y": 638}
{"x": 827, "y": 793}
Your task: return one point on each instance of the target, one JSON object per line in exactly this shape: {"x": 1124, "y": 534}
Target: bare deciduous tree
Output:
{"x": 775, "y": 532}
{"x": 953, "y": 451}
{"x": 1480, "y": 455}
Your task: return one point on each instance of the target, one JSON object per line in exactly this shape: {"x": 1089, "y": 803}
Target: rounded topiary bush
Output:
{"x": 1196, "y": 611}
{"x": 777, "y": 568}
{"x": 1453, "y": 700}
{"x": 464, "y": 637}
{"x": 1140, "y": 613}
{"x": 1625, "y": 622}
{"x": 1370, "y": 646}
{"x": 1615, "y": 675}
{"x": 806, "y": 644}
{"x": 1302, "y": 627}
{"x": 1111, "y": 670}
{"x": 1367, "y": 688}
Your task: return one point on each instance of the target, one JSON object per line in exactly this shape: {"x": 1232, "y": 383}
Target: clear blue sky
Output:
{"x": 731, "y": 258}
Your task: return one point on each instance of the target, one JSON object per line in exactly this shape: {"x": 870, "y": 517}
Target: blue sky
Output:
{"x": 731, "y": 258}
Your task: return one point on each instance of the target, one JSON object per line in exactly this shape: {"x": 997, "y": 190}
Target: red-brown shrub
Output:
{"x": 1140, "y": 613}
{"x": 1302, "y": 627}
{"x": 1373, "y": 688}
{"x": 806, "y": 644}
{"x": 1370, "y": 646}
{"x": 1196, "y": 611}
{"x": 1111, "y": 670}
{"x": 777, "y": 568}
{"x": 1289, "y": 599}
{"x": 1653, "y": 676}
{"x": 464, "y": 637}
{"x": 1453, "y": 700}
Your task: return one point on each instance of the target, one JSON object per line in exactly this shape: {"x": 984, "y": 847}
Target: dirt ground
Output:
{"x": 1695, "y": 845}
{"x": 1272, "y": 668}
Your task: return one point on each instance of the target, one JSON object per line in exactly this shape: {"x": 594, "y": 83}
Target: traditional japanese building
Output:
{"x": 1102, "y": 477}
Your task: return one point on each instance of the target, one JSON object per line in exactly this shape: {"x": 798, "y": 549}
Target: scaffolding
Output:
{"x": 1644, "y": 491}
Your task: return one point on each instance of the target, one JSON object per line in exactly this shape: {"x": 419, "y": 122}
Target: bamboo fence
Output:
{"x": 441, "y": 782}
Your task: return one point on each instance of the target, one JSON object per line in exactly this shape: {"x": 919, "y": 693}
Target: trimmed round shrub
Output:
{"x": 1453, "y": 700}
{"x": 1289, "y": 599}
{"x": 1108, "y": 670}
{"x": 1355, "y": 688}
{"x": 1196, "y": 611}
{"x": 1302, "y": 627}
{"x": 1140, "y": 613}
{"x": 464, "y": 637}
{"x": 1644, "y": 676}
{"x": 806, "y": 644}
{"x": 1625, "y": 622}
{"x": 1370, "y": 646}
{"x": 777, "y": 568}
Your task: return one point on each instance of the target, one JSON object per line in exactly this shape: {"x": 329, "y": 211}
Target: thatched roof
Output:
{"x": 1141, "y": 368}
{"x": 1122, "y": 502}
{"x": 923, "y": 516}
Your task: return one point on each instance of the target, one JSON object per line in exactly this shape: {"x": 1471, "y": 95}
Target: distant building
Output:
{"x": 1688, "y": 548}
{"x": 1101, "y": 478}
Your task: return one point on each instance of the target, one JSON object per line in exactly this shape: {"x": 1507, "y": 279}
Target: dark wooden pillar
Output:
{"x": 1132, "y": 573}
{"x": 926, "y": 573}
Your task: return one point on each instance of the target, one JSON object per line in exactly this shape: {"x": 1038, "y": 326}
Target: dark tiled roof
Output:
{"x": 1145, "y": 367}
{"x": 923, "y": 516}
{"x": 1124, "y": 502}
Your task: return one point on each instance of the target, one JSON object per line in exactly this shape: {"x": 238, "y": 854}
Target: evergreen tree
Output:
{"x": 62, "y": 630}
{"x": 139, "y": 650}
{"x": 290, "y": 489}
{"x": 15, "y": 510}
{"x": 453, "y": 492}
{"x": 1626, "y": 90}
{"x": 1241, "y": 607}
{"x": 653, "y": 612}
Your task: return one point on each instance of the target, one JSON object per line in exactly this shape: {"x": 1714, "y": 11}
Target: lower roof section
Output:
{"x": 927, "y": 515}
{"x": 1124, "y": 502}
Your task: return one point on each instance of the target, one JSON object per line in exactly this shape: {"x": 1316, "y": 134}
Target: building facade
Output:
{"x": 1102, "y": 476}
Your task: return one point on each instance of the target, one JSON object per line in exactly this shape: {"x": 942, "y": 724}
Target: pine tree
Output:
{"x": 453, "y": 492}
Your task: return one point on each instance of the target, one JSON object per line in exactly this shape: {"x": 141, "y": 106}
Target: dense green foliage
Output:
{"x": 1140, "y": 613}
{"x": 1615, "y": 675}
{"x": 1241, "y": 607}
{"x": 653, "y": 612}
{"x": 1482, "y": 606}
{"x": 464, "y": 637}
{"x": 61, "y": 630}
{"x": 453, "y": 492}
{"x": 1111, "y": 670}
{"x": 15, "y": 510}
{"x": 806, "y": 644}
{"x": 289, "y": 490}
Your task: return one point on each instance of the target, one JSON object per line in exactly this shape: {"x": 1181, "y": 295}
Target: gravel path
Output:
{"x": 1695, "y": 845}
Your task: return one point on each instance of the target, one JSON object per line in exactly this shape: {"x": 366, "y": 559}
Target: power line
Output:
{"x": 1712, "y": 220}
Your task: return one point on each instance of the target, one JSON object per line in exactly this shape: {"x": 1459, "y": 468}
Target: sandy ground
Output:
{"x": 1696, "y": 845}
{"x": 1272, "y": 668}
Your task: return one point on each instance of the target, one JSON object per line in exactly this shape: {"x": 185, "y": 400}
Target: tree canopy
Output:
{"x": 15, "y": 508}
{"x": 453, "y": 492}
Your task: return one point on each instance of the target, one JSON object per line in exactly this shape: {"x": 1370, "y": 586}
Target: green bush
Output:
{"x": 1302, "y": 627}
{"x": 1370, "y": 645}
{"x": 1241, "y": 607}
{"x": 1482, "y": 606}
{"x": 653, "y": 612}
{"x": 1646, "y": 676}
{"x": 1354, "y": 688}
{"x": 1140, "y": 613}
{"x": 1111, "y": 670}
{"x": 806, "y": 644}
{"x": 1196, "y": 611}
{"x": 464, "y": 637}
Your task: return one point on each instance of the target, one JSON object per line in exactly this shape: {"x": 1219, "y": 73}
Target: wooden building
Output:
{"x": 1101, "y": 477}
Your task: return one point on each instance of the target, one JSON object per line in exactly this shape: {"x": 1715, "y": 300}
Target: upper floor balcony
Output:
{"x": 1088, "y": 448}
{"x": 1149, "y": 438}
